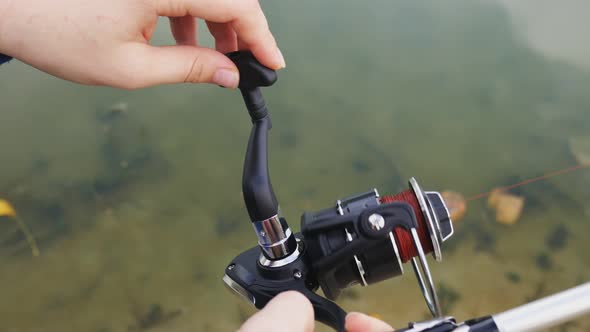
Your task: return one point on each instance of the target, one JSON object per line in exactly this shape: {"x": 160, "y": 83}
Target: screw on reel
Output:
{"x": 364, "y": 239}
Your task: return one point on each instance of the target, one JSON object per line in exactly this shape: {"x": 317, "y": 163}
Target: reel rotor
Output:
{"x": 345, "y": 253}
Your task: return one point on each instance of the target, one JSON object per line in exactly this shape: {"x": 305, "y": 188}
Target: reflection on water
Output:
{"x": 134, "y": 197}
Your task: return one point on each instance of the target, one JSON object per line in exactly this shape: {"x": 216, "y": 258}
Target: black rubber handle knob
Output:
{"x": 253, "y": 74}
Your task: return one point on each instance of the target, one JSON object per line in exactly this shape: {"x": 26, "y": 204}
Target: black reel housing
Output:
{"x": 339, "y": 239}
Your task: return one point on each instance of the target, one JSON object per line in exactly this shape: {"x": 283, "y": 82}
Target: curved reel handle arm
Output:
{"x": 327, "y": 311}
{"x": 259, "y": 196}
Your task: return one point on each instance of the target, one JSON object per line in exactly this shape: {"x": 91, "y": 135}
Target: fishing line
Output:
{"x": 531, "y": 180}
{"x": 407, "y": 249}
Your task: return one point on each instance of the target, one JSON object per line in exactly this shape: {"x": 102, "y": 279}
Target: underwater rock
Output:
{"x": 557, "y": 238}
{"x": 111, "y": 113}
{"x": 230, "y": 219}
{"x": 508, "y": 206}
{"x": 544, "y": 262}
{"x": 288, "y": 140}
{"x": 540, "y": 290}
{"x": 456, "y": 204}
{"x": 447, "y": 296}
{"x": 153, "y": 317}
{"x": 513, "y": 277}
{"x": 580, "y": 148}
{"x": 485, "y": 241}
{"x": 226, "y": 225}
{"x": 361, "y": 166}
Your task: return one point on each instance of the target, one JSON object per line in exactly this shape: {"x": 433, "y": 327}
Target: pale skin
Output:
{"x": 107, "y": 43}
{"x": 292, "y": 312}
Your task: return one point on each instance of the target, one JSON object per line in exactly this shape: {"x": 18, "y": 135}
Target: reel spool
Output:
{"x": 390, "y": 231}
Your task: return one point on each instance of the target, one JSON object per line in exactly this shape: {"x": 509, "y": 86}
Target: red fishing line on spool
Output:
{"x": 404, "y": 239}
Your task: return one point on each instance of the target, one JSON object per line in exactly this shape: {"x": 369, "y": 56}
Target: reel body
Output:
{"x": 363, "y": 239}
{"x": 356, "y": 241}
{"x": 258, "y": 284}
{"x": 352, "y": 243}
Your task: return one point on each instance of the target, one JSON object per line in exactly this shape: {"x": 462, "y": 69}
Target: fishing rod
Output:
{"x": 359, "y": 240}
{"x": 534, "y": 316}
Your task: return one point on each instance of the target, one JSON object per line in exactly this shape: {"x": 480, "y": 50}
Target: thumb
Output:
{"x": 147, "y": 65}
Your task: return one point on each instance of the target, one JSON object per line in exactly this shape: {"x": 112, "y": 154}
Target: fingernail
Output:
{"x": 227, "y": 78}
{"x": 369, "y": 323}
{"x": 281, "y": 58}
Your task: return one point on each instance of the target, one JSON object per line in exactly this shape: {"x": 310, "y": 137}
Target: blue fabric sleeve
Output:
{"x": 4, "y": 58}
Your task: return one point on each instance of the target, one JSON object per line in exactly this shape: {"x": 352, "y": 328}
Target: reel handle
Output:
{"x": 253, "y": 75}
{"x": 326, "y": 311}
{"x": 274, "y": 235}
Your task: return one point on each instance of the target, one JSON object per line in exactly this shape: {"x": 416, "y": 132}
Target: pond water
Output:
{"x": 135, "y": 201}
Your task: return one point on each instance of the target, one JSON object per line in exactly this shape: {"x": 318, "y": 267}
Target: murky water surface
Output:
{"x": 137, "y": 206}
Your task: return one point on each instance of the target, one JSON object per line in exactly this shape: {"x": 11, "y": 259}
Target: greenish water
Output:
{"x": 138, "y": 213}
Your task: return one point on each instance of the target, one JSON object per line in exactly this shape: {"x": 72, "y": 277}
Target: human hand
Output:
{"x": 106, "y": 42}
{"x": 292, "y": 312}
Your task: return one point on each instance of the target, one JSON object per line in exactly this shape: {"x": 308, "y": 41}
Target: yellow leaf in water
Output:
{"x": 6, "y": 209}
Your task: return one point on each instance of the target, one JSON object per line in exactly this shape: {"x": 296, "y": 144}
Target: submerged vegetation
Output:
{"x": 448, "y": 297}
{"x": 6, "y": 210}
{"x": 153, "y": 317}
{"x": 126, "y": 155}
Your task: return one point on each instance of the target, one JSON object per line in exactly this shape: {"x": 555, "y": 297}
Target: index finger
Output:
{"x": 245, "y": 17}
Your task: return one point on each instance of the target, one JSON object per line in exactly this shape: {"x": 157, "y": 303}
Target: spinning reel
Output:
{"x": 362, "y": 239}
